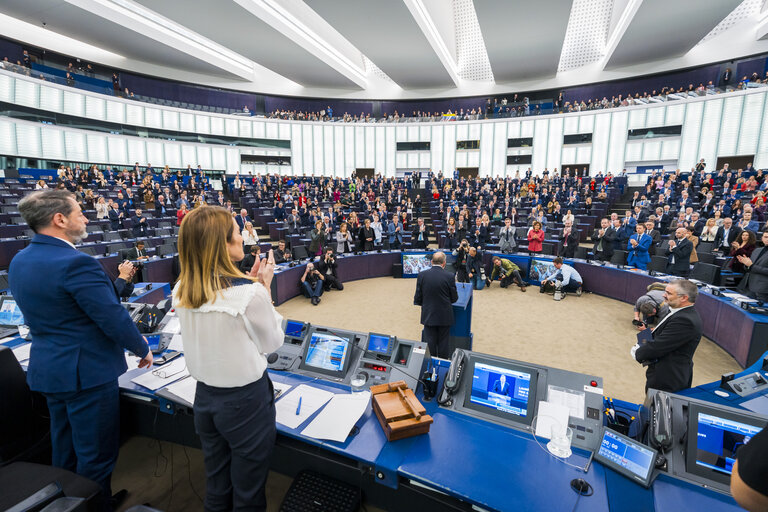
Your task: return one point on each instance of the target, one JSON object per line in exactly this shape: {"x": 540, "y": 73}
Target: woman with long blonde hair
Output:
{"x": 228, "y": 325}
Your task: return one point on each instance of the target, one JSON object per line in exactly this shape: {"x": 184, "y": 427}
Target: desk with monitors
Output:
{"x": 508, "y": 392}
{"x": 351, "y": 358}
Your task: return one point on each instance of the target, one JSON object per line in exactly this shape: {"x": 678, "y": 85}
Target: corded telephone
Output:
{"x": 452, "y": 379}
{"x": 660, "y": 429}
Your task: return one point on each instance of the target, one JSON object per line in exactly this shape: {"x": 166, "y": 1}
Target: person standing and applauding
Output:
{"x": 80, "y": 332}
{"x": 228, "y": 325}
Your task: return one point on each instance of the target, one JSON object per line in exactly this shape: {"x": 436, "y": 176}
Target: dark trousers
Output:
{"x": 312, "y": 291}
{"x": 332, "y": 281}
{"x": 237, "y": 433}
{"x": 436, "y": 338}
{"x": 85, "y": 432}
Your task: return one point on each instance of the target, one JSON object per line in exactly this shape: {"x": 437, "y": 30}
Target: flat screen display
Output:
{"x": 10, "y": 313}
{"x": 714, "y": 439}
{"x": 626, "y": 456}
{"x": 540, "y": 269}
{"x": 413, "y": 263}
{"x": 327, "y": 352}
{"x": 293, "y": 328}
{"x": 504, "y": 391}
{"x": 378, "y": 343}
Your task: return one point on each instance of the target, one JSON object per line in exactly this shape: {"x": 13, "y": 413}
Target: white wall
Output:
{"x": 723, "y": 125}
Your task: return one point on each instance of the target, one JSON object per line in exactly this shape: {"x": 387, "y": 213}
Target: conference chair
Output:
{"x": 707, "y": 273}
{"x": 705, "y": 257}
{"x": 705, "y": 247}
{"x": 658, "y": 264}
{"x": 619, "y": 258}
{"x": 300, "y": 252}
{"x": 582, "y": 253}
{"x": 110, "y": 236}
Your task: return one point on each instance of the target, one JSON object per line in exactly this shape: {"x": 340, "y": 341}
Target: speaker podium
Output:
{"x": 461, "y": 330}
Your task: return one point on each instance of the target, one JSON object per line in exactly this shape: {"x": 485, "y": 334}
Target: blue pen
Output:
{"x": 298, "y": 408}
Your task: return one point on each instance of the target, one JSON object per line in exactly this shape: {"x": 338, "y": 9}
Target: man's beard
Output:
{"x": 77, "y": 236}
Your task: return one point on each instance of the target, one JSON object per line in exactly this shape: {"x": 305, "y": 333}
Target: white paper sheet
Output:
{"x": 574, "y": 400}
{"x": 160, "y": 376}
{"x": 6, "y": 340}
{"x": 184, "y": 389}
{"x": 550, "y": 414}
{"x": 22, "y": 352}
{"x": 312, "y": 399}
{"x": 173, "y": 326}
{"x": 132, "y": 361}
{"x": 338, "y": 417}
{"x": 176, "y": 343}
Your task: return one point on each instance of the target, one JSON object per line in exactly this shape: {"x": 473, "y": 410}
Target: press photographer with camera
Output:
{"x": 474, "y": 265}
{"x": 650, "y": 307}
{"x": 506, "y": 272}
{"x": 312, "y": 284}
{"x": 563, "y": 276}
{"x": 327, "y": 267}
{"x": 461, "y": 252}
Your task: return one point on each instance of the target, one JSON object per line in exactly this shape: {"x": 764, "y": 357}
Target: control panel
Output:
{"x": 749, "y": 384}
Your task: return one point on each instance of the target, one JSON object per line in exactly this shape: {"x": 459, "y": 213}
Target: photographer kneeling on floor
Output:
{"x": 506, "y": 272}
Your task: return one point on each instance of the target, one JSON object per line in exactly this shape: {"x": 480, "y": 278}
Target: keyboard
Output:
{"x": 313, "y": 492}
{"x": 8, "y": 331}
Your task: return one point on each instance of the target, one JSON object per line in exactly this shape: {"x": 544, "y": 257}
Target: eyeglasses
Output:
{"x": 162, "y": 374}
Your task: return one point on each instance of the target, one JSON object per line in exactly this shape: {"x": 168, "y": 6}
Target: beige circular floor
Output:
{"x": 589, "y": 334}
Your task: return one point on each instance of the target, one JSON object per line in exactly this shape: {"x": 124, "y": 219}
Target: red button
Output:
{"x": 593, "y": 383}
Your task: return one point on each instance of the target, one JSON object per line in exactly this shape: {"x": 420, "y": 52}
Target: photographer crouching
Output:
{"x": 507, "y": 273}
{"x": 312, "y": 284}
{"x": 564, "y": 277}
{"x": 327, "y": 267}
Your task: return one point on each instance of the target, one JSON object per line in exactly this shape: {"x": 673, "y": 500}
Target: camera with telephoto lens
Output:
{"x": 138, "y": 265}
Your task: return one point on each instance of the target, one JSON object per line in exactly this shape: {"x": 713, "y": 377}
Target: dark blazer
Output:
{"x": 139, "y": 228}
{"x": 733, "y": 234}
{"x": 133, "y": 253}
{"x": 682, "y": 255}
{"x": 569, "y": 251}
{"x": 323, "y": 267}
{"x": 79, "y": 329}
{"x": 500, "y": 389}
{"x": 755, "y": 280}
{"x": 415, "y": 237}
{"x": 115, "y": 222}
{"x": 435, "y": 293}
{"x": 240, "y": 222}
{"x": 247, "y": 262}
{"x": 608, "y": 240}
{"x": 670, "y": 354}
{"x": 161, "y": 210}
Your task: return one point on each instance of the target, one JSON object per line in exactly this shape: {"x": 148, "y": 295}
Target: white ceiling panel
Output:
{"x": 663, "y": 29}
{"x": 386, "y": 33}
{"x": 523, "y": 39}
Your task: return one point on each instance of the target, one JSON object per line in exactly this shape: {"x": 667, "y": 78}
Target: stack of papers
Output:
{"x": 184, "y": 389}
{"x": 312, "y": 399}
{"x": 160, "y": 376}
{"x": 337, "y": 419}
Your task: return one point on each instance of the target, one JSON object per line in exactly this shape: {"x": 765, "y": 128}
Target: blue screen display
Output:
{"x": 633, "y": 457}
{"x": 378, "y": 343}
{"x": 327, "y": 352}
{"x": 10, "y": 313}
{"x": 718, "y": 440}
{"x": 294, "y": 328}
{"x": 501, "y": 389}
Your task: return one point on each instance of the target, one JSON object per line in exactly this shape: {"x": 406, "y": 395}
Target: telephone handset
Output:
{"x": 660, "y": 430}
{"x": 452, "y": 379}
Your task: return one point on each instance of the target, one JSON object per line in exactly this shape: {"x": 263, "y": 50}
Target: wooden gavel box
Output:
{"x": 399, "y": 412}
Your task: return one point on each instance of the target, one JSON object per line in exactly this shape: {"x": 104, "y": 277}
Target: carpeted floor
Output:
{"x": 589, "y": 334}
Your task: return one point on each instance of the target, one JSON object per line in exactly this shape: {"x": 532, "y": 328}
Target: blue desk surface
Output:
{"x": 706, "y": 392}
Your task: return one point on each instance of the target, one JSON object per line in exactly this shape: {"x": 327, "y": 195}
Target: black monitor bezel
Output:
{"x": 469, "y": 372}
{"x": 693, "y": 430}
{"x": 351, "y": 339}
{"x": 644, "y": 481}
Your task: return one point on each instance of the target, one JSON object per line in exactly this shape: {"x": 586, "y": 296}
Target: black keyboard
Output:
{"x": 313, "y": 492}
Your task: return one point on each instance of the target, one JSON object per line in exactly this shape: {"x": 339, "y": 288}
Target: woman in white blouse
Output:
{"x": 228, "y": 326}
{"x": 569, "y": 217}
{"x": 709, "y": 231}
{"x": 102, "y": 209}
{"x": 250, "y": 237}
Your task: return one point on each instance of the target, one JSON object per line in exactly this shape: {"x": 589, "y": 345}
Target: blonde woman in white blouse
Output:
{"x": 250, "y": 236}
{"x": 102, "y": 209}
{"x": 709, "y": 231}
{"x": 569, "y": 217}
{"x": 228, "y": 326}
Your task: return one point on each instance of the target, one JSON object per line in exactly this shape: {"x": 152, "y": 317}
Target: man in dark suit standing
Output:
{"x": 140, "y": 227}
{"x": 420, "y": 235}
{"x": 501, "y": 386}
{"x": 669, "y": 355}
{"x": 755, "y": 282}
{"x": 435, "y": 293}
{"x": 79, "y": 331}
{"x": 603, "y": 239}
{"x": 726, "y": 235}
{"x": 679, "y": 254}
{"x": 242, "y": 219}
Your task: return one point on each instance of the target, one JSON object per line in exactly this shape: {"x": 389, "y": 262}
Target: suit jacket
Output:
{"x": 415, "y": 237}
{"x": 280, "y": 256}
{"x": 733, "y": 234}
{"x": 161, "y": 210}
{"x": 608, "y": 240}
{"x": 569, "y": 251}
{"x": 435, "y": 293}
{"x": 638, "y": 256}
{"x": 115, "y": 222}
{"x": 139, "y": 228}
{"x": 670, "y": 354}
{"x": 247, "y": 263}
{"x": 241, "y": 222}
{"x": 133, "y": 253}
{"x": 756, "y": 277}
{"x": 682, "y": 257}
{"x": 79, "y": 329}
{"x": 323, "y": 267}
{"x": 500, "y": 389}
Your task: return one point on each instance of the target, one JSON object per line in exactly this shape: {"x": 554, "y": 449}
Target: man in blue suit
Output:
{"x": 501, "y": 386}
{"x": 79, "y": 334}
{"x": 637, "y": 248}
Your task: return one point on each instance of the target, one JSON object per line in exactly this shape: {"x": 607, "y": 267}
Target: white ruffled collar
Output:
{"x": 233, "y": 300}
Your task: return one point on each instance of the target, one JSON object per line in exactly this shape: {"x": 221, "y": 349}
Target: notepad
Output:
{"x": 312, "y": 399}
{"x": 338, "y": 418}
{"x": 184, "y": 389}
{"x": 161, "y": 376}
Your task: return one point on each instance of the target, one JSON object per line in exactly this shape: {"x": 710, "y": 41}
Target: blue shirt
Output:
{"x": 569, "y": 273}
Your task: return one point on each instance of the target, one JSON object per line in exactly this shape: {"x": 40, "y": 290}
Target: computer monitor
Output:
{"x": 380, "y": 344}
{"x": 10, "y": 313}
{"x": 501, "y": 389}
{"x": 714, "y": 439}
{"x": 627, "y": 457}
{"x": 327, "y": 353}
{"x": 294, "y": 329}
{"x": 415, "y": 262}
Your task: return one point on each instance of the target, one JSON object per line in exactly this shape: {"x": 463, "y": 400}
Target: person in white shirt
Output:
{"x": 228, "y": 326}
{"x": 571, "y": 279}
{"x": 250, "y": 236}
